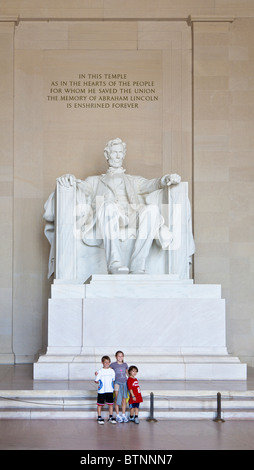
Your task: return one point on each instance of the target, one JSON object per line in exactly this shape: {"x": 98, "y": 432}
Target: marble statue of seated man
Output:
{"x": 115, "y": 206}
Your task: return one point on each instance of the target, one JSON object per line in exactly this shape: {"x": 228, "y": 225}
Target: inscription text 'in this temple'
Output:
{"x": 103, "y": 90}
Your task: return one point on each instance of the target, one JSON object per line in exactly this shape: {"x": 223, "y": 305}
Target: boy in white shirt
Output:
{"x": 105, "y": 378}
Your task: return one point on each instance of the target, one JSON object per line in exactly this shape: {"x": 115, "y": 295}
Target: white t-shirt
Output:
{"x": 106, "y": 378}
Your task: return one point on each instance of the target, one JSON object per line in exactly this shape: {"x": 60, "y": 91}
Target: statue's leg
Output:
{"x": 148, "y": 225}
{"x": 108, "y": 220}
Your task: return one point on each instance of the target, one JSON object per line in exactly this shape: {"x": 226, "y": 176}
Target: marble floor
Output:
{"x": 87, "y": 435}
{"x": 163, "y": 435}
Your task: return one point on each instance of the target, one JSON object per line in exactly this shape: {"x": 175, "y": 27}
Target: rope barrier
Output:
{"x": 66, "y": 403}
{"x": 47, "y": 404}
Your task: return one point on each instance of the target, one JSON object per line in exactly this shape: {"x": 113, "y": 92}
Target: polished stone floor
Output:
{"x": 88, "y": 435}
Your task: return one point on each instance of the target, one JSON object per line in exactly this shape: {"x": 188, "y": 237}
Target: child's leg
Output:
{"x": 116, "y": 389}
{"x": 109, "y": 400}
{"x": 118, "y": 417}
{"x": 136, "y": 420}
{"x": 100, "y": 403}
{"x": 124, "y": 417}
{"x": 131, "y": 417}
{"x": 100, "y": 420}
{"x": 110, "y": 408}
{"x": 116, "y": 405}
{"x": 123, "y": 405}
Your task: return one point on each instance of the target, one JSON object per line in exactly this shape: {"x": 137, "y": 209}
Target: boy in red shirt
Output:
{"x": 135, "y": 394}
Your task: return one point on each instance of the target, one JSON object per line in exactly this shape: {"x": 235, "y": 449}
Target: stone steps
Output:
{"x": 168, "y": 404}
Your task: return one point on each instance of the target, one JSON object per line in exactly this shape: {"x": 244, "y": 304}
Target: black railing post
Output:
{"x": 218, "y": 418}
{"x": 151, "y": 418}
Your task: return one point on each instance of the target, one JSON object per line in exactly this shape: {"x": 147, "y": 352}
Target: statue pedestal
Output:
{"x": 171, "y": 329}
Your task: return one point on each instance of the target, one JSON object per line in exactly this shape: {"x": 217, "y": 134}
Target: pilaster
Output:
{"x": 7, "y": 26}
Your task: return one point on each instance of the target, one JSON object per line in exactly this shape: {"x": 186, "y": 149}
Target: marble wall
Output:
{"x": 200, "y": 56}
{"x": 224, "y": 170}
{"x": 6, "y": 190}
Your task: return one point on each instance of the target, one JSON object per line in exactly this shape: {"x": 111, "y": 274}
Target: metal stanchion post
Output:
{"x": 218, "y": 418}
{"x": 151, "y": 418}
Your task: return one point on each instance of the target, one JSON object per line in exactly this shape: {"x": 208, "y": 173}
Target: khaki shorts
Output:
{"x": 116, "y": 387}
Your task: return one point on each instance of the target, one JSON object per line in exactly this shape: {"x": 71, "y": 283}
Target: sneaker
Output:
{"x": 136, "y": 420}
{"x": 131, "y": 418}
{"x": 112, "y": 420}
{"x": 119, "y": 419}
{"x": 100, "y": 421}
{"x": 125, "y": 419}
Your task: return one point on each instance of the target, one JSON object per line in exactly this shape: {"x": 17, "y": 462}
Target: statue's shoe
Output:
{"x": 117, "y": 269}
{"x": 138, "y": 271}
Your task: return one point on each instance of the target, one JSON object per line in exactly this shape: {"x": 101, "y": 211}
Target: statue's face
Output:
{"x": 116, "y": 156}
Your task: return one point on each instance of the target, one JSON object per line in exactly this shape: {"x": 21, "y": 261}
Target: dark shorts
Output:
{"x": 134, "y": 405}
{"x": 103, "y": 398}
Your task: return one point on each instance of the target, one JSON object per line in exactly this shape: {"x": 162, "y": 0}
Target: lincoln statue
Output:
{"x": 116, "y": 206}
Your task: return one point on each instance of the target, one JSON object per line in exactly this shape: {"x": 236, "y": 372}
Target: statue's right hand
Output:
{"x": 66, "y": 180}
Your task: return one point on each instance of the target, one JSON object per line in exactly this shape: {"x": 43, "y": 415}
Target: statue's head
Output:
{"x": 115, "y": 152}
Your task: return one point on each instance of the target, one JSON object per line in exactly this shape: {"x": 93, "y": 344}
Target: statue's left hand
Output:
{"x": 167, "y": 180}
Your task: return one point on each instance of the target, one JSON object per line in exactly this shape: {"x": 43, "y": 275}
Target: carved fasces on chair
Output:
{"x": 65, "y": 229}
{"x": 179, "y": 221}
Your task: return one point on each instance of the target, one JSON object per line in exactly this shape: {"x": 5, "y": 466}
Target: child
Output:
{"x": 120, "y": 388}
{"x": 135, "y": 394}
{"x": 105, "y": 378}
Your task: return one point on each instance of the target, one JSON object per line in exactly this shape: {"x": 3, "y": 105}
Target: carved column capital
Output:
{"x": 9, "y": 19}
{"x": 210, "y": 18}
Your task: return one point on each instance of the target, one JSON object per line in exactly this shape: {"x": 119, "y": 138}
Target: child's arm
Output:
{"x": 96, "y": 377}
{"x": 132, "y": 394}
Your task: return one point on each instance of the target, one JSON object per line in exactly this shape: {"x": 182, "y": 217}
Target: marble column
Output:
{"x": 7, "y": 26}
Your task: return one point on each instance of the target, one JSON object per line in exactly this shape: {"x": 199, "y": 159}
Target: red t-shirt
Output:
{"x": 133, "y": 385}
